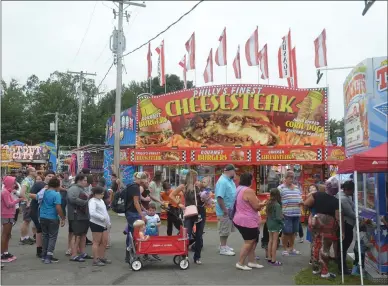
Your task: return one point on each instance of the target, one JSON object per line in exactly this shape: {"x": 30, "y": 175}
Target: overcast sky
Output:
{"x": 41, "y": 37}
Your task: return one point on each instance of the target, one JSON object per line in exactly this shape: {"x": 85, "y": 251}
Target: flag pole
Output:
{"x": 258, "y": 74}
{"x": 226, "y": 74}
{"x": 150, "y": 85}
{"x": 165, "y": 84}
{"x": 195, "y": 77}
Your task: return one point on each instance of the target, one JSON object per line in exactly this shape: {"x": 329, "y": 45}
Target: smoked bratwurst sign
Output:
{"x": 229, "y": 115}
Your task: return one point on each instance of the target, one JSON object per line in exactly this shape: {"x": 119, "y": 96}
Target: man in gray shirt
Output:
{"x": 77, "y": 211}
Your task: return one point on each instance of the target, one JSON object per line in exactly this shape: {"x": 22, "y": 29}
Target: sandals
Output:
{"x": 276, "y": 263}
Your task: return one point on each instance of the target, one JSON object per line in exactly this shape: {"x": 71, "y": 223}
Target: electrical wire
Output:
{"x": 98, "y": 87}
{"x": 162, "y": 32}
{"x": 86, "y": 32}
{"x": 165, "y": 30}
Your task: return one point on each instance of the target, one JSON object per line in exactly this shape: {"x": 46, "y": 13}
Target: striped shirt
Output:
{"x": 291, "y": 199}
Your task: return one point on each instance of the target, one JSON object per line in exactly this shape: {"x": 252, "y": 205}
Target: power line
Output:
{"x": 165, "y": 30}
{"x": 98, "y": 87}
{"x": 86, "y": 32}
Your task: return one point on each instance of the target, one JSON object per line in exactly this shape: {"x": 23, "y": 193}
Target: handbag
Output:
{"x": 192, "y": 210}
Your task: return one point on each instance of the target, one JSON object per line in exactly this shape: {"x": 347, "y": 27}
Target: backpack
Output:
{"x": 119, "y": 205}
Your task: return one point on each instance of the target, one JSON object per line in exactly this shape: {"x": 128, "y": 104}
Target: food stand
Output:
{"x": 259, "y": 128}
{"x": 365, "y": 96}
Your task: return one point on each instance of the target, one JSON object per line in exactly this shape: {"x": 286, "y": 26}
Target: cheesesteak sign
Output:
{"x": 232, "y": 115}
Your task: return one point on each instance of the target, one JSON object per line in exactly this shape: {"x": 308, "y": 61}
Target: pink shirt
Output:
{"x": 8, "y": 208}
{"x": 245, "y": 215}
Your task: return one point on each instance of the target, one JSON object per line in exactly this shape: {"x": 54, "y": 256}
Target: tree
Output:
{"x": 336, "y": 130}
{"x": 27, "y": 110}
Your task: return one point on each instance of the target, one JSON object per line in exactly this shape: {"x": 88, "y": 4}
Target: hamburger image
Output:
{"x": 232, "y": 128}
{"x": 156, "y": 135}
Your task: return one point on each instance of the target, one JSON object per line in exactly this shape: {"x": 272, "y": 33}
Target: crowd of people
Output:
{"x": 49, "y": 200}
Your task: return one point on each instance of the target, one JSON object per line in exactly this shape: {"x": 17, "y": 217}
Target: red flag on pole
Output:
{"x": 263, "y": 56}
{"x": 294, "y": 78}
{"x": 220, "y": 56}
{"x": 252, "y": 49}
{"x": 236, "y": 64}
{"x": 320, "y": 50}
{"x": 208, "y": 74}
{"x": 149, "y": 62}
{"x": 190, "y": 48}
{"x": 161, "y": 73}
{"x": 182, "y": 63}
{"x": 284, "y": 57}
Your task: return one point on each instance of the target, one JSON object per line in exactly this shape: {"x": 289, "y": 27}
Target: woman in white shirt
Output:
{"x": 99, "y": 224}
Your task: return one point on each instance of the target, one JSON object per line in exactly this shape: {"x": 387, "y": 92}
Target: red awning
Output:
{"x": 374, "y": 160}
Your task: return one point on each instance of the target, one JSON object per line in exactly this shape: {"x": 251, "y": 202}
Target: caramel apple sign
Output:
{"x": 230, "y": 115}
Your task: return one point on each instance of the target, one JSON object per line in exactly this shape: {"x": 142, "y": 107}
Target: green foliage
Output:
{"x": 24, "y": 108}
{"x": 337, "y": 130}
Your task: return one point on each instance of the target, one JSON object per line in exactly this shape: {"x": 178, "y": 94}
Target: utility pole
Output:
{"x": 54, "y": 127}
{"x": 118, "y": 48}
{"x": 80, "y": 101}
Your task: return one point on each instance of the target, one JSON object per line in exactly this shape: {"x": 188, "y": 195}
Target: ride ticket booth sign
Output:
{"x": 157, "y": 157}
{"x": 221, "y": 156}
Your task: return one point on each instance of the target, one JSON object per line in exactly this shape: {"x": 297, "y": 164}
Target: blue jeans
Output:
{"x": 189, "y": 224}
{"x": 131, "y": 218}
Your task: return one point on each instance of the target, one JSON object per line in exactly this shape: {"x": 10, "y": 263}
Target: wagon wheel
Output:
{"x": 184, "y": 264}
{"x": 177, "y": 259}
{"x": 136, "y": 265}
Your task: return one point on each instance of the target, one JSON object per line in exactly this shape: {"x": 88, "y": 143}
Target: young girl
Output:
{"x": 274, "y": 224}
{"x": 140, "y": 224}
{"x": 7, "y": 216}
{"x": 99, "y": 224}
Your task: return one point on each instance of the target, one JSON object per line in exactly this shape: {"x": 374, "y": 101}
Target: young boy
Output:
{"x": 152, "y": 224}
{"x": 174, "y": 210}
{"x": 50, "y": 211}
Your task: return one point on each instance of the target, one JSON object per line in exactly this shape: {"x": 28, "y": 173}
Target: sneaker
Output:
{"x": 226, "y": 246}
{"x": 106, "y": 261}
{"x": 47, "y": 260}
{"x": 77, "y": 259}
{"x": 53, "y": 259}
{"x": 328, "y": 275}
{"x": 32, "y": 240}
{"x": 121, "y": 214}
{"x": 227, "y": 252}
{"x": 26, "y": 241}
{"x": 242, "y": 267}
{"x": 86, "y": 256}
{"x": 10, "y": 257}
{"x": 98, "y": 262}
{"x": 68, "y": 252}
{"x": 88, "y": 242}
{"x": 355, "y": 271}
{"x": 301, "y": 240}
{"x": 255, "y": 265}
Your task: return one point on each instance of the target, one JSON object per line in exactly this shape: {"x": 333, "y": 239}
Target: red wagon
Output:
{"x": 177, "y": 246}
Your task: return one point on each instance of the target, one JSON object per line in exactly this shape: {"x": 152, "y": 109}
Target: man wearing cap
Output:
{"x": 226, "y": 194}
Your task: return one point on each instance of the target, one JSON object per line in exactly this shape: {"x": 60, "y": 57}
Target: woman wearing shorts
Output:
{"x": 99, "y": 224}
{"x": 246, "y": 220}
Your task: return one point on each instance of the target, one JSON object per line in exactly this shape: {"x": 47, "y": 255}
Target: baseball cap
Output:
{"x": 230, "y": 167}
{"x": 141, "y": 175}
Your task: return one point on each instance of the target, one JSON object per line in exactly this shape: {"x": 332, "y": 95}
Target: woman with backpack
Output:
{"x": 246, "y": 220}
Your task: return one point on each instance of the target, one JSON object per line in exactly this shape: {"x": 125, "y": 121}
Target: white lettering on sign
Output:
{"x": 212, "y": 152}
{"x": 25, "y": 152}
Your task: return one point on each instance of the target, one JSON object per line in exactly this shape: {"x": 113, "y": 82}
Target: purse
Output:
{"x": 192, "y": 210}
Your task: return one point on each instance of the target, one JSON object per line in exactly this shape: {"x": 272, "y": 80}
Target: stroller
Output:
{"x": 177, "y": 246}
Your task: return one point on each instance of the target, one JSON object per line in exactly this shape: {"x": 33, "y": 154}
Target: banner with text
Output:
{"x": 157, "y": 157}
{"x": 221, "y": 156}
{"x": 232, "y": 115}
{"x": 290, "y": 155}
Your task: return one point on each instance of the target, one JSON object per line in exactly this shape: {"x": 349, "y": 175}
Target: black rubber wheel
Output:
{"x": 177, "y": 259}
{"x": 184, "y": 264}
